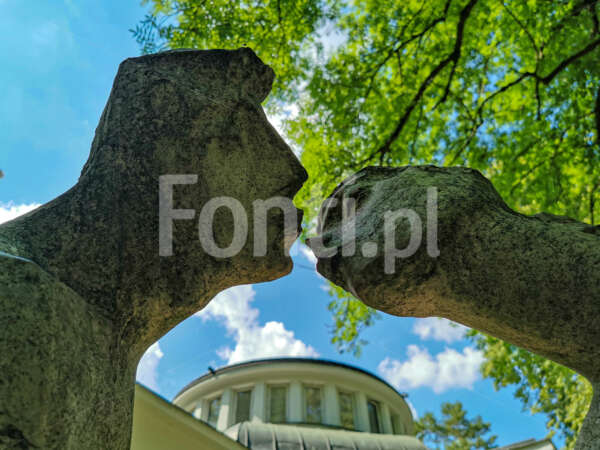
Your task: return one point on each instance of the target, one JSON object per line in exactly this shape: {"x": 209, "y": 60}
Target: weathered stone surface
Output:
{"x": 83, "y": 290}
{"x": 533, "y": 281}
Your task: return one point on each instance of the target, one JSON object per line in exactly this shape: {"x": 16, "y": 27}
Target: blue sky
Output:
{"x": 59, "y": 61}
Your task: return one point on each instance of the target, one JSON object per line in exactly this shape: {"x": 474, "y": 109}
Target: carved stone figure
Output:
{"x": 83, "y": 288}
{"x": 533, "y": 281}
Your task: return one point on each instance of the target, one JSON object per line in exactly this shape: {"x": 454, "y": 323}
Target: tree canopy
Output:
{"x": 541, "y": 385}
{"x": 454, "y": 431}
{"x": 509, "y": 87}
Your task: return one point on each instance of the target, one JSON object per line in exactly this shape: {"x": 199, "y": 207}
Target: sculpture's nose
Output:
{"x": 289, "y": 167}
{"x": 300, "y": 175}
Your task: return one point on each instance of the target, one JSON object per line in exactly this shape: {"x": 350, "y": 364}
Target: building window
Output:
{"x": 346, "y": 410}
{"x": 397, "y": 424}
{"x": 277, "y": 404}
{"x": 242, "y": 409}
{"x": 373, "y": 409}
{"x": 214, "y": 405}
{"x": 313, "y": 404}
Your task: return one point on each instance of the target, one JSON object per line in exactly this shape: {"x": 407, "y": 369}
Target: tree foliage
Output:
{"x": 541, "y": 385}
{"x": 454, "y": 431}
{"x": 282, "y": 32}
{"x": 350, "y": 318}
{"x": 509, "y": 87}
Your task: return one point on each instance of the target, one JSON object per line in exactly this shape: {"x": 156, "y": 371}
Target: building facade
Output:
{"x": 284, "y": 403}
{"x": 295, "y": 399}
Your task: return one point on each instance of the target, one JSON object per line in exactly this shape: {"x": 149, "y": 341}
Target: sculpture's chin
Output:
{"x": 290, "y": 236}
{"x": 280, "y": 260}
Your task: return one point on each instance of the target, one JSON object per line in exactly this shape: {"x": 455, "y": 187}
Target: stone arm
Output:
{"x": 533, "y": 281}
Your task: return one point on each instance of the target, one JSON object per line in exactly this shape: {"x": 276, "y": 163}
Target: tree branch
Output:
{"x": 564, "y": 63}
{"x": 539, "y": 164}
{"x": 593, "y": 201}
{"x": 464, "y": 15}
{"x": 456, "y": 52}
{"x": 411, "y": 147}
{"x": 397, "y": 48}
{"x": 538, "y": 100}
{"x": 454, "y": 57}
{"x": 597, "y": 116}
{"x": 529, "y": 35}
{"x": 541, "y": 79}
{"x": 499, "y": 91}
{"x": 589, "y": 4}
{"x": 467, "y": 141}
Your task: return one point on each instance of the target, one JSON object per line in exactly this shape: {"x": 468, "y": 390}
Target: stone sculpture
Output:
{"x": 533, "y": 281}
{"x": 83, "y": 289}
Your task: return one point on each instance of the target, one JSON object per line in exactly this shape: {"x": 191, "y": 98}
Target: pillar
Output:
{"x": 258, "y": 407}
{"x": 199, "y": 409}
{"x": 295, "y": 410}
{"x": 386, "y": 419}
{"x": 362, "y": 414}
{"x": 225, "y": 410}
{"x": 331, "y": 406}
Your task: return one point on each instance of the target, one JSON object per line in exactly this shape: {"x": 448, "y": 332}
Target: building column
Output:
{"x": 362, "y": 413}
{"x": 331, "y": 406}
{"x": 199, "y": 409}
{"x": 386, "y": 419}
{"x": 225, "y": 409}
{"x": 295, "y": 402}
{"x": 258, "y": 412}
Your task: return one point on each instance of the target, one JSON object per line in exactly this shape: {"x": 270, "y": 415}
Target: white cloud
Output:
{"x": 439, "y": 329}
{"x": 412, "y": 408}
{"x": 147, "y": 367}
{"x": 8, "y": 211}
{"x": 448, "y": 369}
{"x": 308, "y": 254}
{"x": 232, "y": 306}
{"x": 253, "y": 341}
{"x": 331, "y": 37}
{"x": 278, "y": 115}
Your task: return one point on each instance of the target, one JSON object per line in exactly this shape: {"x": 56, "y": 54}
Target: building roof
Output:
{"x": 268, "y": 436}
{"x": 159, "y": 425}
{"x": 530, "y": 444}
{"x": 266, "y": 361}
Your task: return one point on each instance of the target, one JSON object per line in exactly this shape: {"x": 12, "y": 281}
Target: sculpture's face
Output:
{"x": 247, "y": 161}
{"x": 219, "y": 132}
{"x": 377, "y": 241}
{"x": 362, "y": 193}
{"x": 194, "y": 120}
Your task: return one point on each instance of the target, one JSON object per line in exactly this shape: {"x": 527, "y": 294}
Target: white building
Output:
{"x": 284, "y": 403}
{"x": 291, "y": 401}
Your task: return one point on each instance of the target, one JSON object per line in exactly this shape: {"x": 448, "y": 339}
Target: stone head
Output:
{"x": 185, "y": 113}
{"x": 369, "y": 257}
